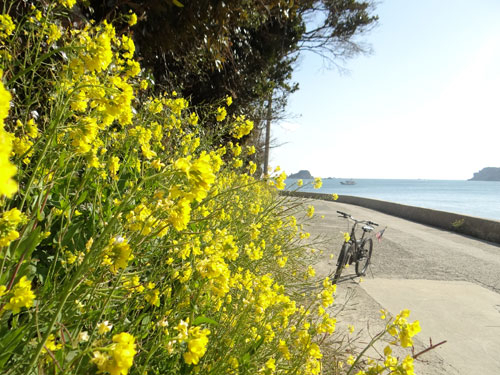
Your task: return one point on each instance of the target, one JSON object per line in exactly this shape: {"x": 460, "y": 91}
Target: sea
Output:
{"x": 472, "y": 198}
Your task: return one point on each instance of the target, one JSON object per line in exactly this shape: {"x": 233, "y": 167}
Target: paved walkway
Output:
{"x": 451, "y": 283}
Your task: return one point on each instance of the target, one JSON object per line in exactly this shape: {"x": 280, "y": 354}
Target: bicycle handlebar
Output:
{"x": 348, "y": 216}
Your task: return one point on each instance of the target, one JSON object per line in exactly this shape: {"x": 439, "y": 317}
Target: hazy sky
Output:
{"x": 425, "y": 104}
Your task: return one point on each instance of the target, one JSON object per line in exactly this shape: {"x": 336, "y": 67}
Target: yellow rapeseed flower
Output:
{"x": 38, "y": 15}
{"x": 347, "y": 237}
{"x": 242, "y": 127}
{"x": 51, "y": 344}
{"x": 54, "y": 34}
{"x": 132, "y": 19}
{"x": 7, "y": 170}
{"x": 23, "y": 146}
{"x": 310, "y": 211}
{"x": 9, "y": 221}
{"x": 128, "y": 46}
{"x": 114, "y": 165}
{"x": 197, "y": 345}
{"x": 252, "y": 167}
{"x": 180, "y": 214}
{"x": 119, "y": 357}
{"x": 193, "y": 119}
{"x": 271, "y": 364}
{"x": 153, "y": 297}
{"x": 311, "y": 272}
{"x": 67, "y": 3}
{"x": 221, "y": 114}
{"x": 117, "y": 254}
{"x": 280, "y": 181}
{"x": 23, "y": 296}
{"x": 6, "y": 26}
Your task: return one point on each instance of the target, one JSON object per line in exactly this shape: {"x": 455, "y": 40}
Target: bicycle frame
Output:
{"x": 353, "y": 250}
{"x": 354, "y": 240}
{"x": 353, "y": 233}
{"x": 352, "y": 236}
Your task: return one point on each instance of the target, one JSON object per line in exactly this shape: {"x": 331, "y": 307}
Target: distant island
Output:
{"x": 487, "y": 174}
{"x": 304, "y": 174}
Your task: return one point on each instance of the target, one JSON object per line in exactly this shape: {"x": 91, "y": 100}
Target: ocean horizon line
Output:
{"x": 477, "y": 198}
{"x": 389, "y": 178}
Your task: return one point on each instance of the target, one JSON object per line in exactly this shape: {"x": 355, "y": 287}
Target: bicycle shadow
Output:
{"x": 351, "y": 277}
{"x": 346, "y": 278}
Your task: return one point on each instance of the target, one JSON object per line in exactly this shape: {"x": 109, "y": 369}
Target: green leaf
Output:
{"x": 40, "y": 215}
{"x": 29, "y": 244}
{"x": 146, "y": 320}
{"x": 177, "y": 4}
{"x": 62, "y": 159}
{"x": 245, "y": 358}
{"x": 203, "y": 319}
{"x": 8, "y": 343}
{"x": 82, "y": 197}
{"x": 251, "y": 351}
{"x": 70, "y": 235}
{"x": 256, "y": 346}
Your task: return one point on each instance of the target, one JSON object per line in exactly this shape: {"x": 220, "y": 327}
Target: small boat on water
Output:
{"x": 348, "y": 182}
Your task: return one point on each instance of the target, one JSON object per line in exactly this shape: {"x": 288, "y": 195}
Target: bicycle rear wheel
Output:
{"x": 363, "y": 257}
{"x": 345, "y": 253}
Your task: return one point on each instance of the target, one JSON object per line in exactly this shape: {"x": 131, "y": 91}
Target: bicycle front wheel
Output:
{"x": 342, "y": 260}
{"x": 364, "y": 256}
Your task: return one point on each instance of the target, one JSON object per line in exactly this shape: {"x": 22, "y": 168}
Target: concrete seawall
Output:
{"x": 484, "y": 229}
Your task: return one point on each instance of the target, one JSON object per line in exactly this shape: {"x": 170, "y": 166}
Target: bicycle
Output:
{"x": 356, "y": 251}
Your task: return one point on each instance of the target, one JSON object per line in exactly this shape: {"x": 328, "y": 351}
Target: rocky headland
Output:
{"x": 487, "y": 174}
{"x": 303, "y": 174}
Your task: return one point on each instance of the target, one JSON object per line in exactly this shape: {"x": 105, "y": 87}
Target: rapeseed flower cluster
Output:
{"x": 403, "y": 330}
{"x": 9, "y": 221}
{"x": 7, "y": 27}
{"x": 117, "y": 254}
{"x": 21, "y": 295}
{"x": 118, "y": 357}
{"x": 8, "y": 186}
{"x": 242, "y": 127}
{"x": 197, "y": 345}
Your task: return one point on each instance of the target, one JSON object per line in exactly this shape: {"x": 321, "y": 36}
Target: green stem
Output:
{"x": 360, "y": 355}
{"x": 66, "y": 293}
{"x": 69, "y": 287}
{"x": 103, "y": 308}
{"x": 40, "y": 159}
{"x": 37, "y": 63}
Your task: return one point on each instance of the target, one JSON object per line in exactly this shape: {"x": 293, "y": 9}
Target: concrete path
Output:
{"x": 466, "y": 315}
{"x": 451, "y": 283}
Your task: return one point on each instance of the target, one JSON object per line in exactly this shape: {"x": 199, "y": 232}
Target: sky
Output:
{"x": 425, "y": 104}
